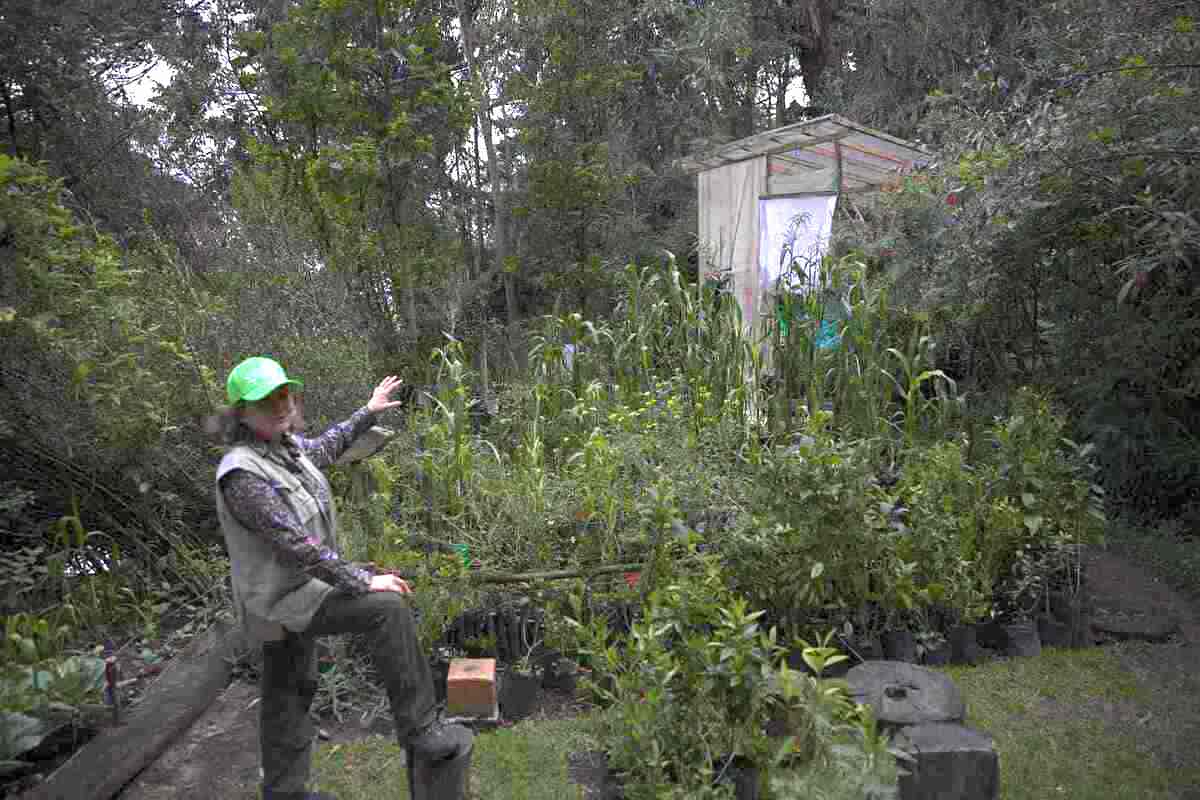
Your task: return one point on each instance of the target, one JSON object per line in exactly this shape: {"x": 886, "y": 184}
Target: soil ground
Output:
{"x": 1168, "y": 718}
{"x": 218, "y": 755}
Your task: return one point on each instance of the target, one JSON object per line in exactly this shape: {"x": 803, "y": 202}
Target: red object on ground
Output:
{"x": 471, "y": 687}
{"x": 632, "y": 578}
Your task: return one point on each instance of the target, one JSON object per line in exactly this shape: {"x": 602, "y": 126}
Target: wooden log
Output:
{"x": 188, "y": 686}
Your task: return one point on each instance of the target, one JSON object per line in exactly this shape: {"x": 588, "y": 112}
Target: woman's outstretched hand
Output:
{"x": 390, "y": 583}
{"x": 381, "y": 398}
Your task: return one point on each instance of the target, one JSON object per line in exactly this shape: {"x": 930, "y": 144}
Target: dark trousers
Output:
{"x": 289, "y": 680}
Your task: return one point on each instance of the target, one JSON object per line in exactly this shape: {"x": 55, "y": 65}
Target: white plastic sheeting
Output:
{"x": 729, "y": 220}
{"x": 793, "y": 237}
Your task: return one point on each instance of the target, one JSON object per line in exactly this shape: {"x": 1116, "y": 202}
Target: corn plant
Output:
{"x": 448, "y": 454}
{"x": 596, "y": 466}
{"x": 909, "y": 378}
{"x": 863, "y": 392}
{"x": 532, "y": 457}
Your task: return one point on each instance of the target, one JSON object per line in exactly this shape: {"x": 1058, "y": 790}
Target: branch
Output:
{"x": 1134, "y": 66}
{"x": 471, "y": 288}
{"x": 1134, "y": 154}
{"x": 552, "y": 575}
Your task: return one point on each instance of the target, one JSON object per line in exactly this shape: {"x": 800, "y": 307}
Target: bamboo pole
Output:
{"x": 530, "y": 577}
{"x": 552, "y": 575}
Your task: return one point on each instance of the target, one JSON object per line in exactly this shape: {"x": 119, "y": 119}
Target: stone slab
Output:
{"x": 905, "y": 694}
{"x": 950, "y": 762}
{"x": 1138, "y": 628}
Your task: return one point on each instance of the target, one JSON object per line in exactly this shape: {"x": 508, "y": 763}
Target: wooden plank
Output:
{"x": 188, "y": 685}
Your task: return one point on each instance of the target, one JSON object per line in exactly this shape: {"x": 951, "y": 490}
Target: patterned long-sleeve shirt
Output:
{"x": 256, "y": 504}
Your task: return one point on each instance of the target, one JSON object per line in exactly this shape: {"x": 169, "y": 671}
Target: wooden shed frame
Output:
{"x": 818, "y": 158}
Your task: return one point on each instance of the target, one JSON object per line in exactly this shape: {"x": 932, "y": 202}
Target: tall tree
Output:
{"x": 360, "y": 110}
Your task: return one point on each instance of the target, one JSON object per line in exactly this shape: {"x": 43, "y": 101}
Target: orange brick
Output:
{"x": 471, "y": 687}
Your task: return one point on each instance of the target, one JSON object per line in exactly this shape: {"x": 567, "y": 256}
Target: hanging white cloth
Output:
{"x": 793, "y": 238}
{"x": 728, "y": 228}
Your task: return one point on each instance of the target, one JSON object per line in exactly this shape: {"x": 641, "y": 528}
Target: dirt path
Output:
{"x": 1124, "y": 590}
{"x": 218, "y": 755}
{"x": 1167, "y": 721}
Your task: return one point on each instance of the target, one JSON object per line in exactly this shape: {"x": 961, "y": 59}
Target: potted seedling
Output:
{"x": 933, "y": 649}
{"x": 1023, "y": 593}
{"x": 899, "y": 644}
{"x": 519, "y": 689}
{"x": 561, "y": 673}
{"x": 1066, "y": 619}
{"x": 862, "y": 643}
{"x": 930, "y": 646}
{"x": 560, "y": 637}
{"x": 483, "y": 646}
{"x": 968, "y": 604}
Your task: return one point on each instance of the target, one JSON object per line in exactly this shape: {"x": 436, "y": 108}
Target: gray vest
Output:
{"x": 269, "y": 595}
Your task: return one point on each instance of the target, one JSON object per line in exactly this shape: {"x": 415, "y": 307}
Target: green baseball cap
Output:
{"x": 255, "y": 378}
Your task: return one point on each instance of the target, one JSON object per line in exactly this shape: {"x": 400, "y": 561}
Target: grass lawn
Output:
{"x": 1071, "y": 724}
{"x": 525, "y": 762}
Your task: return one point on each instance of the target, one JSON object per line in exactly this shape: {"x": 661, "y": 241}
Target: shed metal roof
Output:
{"x": 869, "y": 158}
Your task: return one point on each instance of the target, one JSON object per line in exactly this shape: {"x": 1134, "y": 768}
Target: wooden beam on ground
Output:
{"x": 553, "y": 575}
{"x": 187, "y": 686}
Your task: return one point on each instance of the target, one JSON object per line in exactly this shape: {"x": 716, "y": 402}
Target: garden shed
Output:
{"x": 766, "y": 202}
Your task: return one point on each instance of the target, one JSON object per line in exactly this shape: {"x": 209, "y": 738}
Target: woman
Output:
{"x": 289, "y": 585}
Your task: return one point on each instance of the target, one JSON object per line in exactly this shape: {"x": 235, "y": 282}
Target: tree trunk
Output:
{"x": 483, "y": 117}
{"x": 784, "y": 75}
{"x": 817, "y": 57}
{"x": 12, "y": 119}
{"x": 510, "y": 275}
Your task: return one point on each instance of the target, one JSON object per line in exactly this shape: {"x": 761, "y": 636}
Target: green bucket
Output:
{"x": 463, "y": 550}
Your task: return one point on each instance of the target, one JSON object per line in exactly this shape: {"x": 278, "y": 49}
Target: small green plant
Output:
{"x": 480, "y": 646}
{"x": 524, "y": 665}
{"x": 37, "y": 676}
{"x": 822, "y": 655}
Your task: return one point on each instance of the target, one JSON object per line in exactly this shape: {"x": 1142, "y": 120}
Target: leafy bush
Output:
{"x": 694, "y": 687}
{"x": 805, "y": 545}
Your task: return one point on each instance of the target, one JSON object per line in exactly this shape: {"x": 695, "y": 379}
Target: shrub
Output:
{"x": 694, "y": 686}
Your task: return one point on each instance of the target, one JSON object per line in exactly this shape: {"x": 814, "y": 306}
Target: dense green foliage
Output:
{"x": 753, "y": 527}
{"x": 1055, "y": 231}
